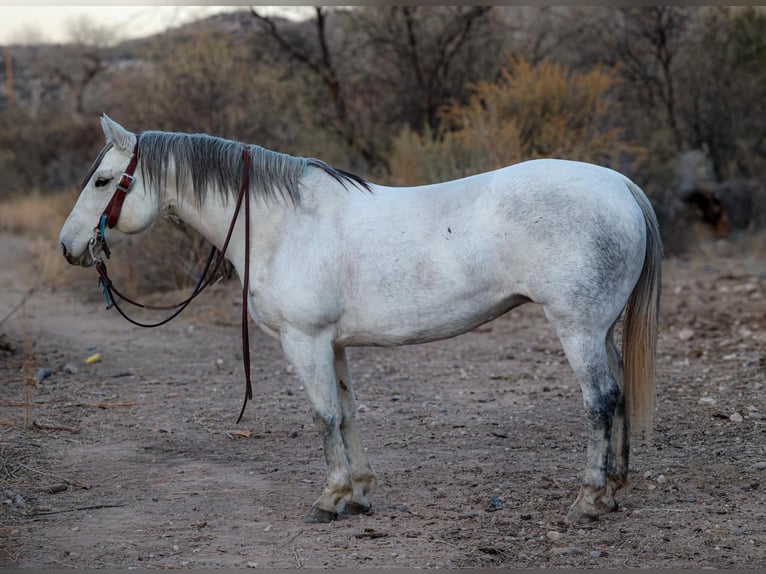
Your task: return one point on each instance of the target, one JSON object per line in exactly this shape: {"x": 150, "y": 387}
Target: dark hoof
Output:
{"x": 576, "y": 516}
{"x": 318, "y": 515}
{"x": 352, "y": 508}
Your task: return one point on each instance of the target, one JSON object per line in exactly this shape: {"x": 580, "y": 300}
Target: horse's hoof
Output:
{"x": 319, "y": 515}
{"x": 352, "y": 508}
{"x": 577, "y": 516}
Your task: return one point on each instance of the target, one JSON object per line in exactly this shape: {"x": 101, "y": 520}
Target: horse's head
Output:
{"x": 139, "y": 210}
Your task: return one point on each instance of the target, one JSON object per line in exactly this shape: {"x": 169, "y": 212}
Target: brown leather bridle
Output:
{"x": 109, "y": 219}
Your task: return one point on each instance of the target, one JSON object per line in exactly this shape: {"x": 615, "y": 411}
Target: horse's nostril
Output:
{"x": 63, "y": 248}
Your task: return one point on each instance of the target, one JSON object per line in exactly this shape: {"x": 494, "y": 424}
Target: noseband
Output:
{"x": 109, "y": 219}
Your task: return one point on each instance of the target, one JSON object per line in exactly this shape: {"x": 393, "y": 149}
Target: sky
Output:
{"x": 53, "y": 24}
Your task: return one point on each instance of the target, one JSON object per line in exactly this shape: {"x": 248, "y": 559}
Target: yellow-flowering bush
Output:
{"x": 530, "y": 112}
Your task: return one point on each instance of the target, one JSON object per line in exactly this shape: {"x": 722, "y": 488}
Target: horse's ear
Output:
{"x": 117, "y": 135}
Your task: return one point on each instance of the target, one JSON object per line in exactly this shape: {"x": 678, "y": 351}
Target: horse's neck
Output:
{"x": 213, "y": 217}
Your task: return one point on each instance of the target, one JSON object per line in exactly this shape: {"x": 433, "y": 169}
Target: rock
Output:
{"x": 706, "y": 401}
{"x": 736, "y": 418}
{"x": 362, "y": 408}
{"x": 737, "y": 531}
{"x": 553, "y": 535}
{"x": 685, "y": 334}
{"x": 661, "y": 479}
{"x": 760, "y": 465}
{"x": 648, "y": 549}
{"x": 596, "y": 554}
{"x": 70, "y": 369}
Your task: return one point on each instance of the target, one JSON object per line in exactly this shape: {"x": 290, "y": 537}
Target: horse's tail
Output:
{"x": 639, "y": 336}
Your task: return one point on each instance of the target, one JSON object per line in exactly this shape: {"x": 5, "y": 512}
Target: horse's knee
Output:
{"x": 325, "y": 421}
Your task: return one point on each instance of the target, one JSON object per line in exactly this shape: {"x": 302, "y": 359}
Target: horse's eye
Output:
{"x": 103, "y": 181}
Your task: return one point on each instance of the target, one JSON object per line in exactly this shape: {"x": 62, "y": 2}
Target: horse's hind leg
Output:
{"x": 588, "y": 357}
{"x": 312, "y": 358}
{"x": 362, "y": 477}
{"x": 619, "y": 447}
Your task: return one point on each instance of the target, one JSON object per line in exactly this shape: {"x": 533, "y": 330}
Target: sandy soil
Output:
{"x": 478, "y": 442}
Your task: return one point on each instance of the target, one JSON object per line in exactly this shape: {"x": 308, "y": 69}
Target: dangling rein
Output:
{"x": 109, "y": 219}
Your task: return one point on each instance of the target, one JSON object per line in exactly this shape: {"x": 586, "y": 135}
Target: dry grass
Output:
{"x": 40, "y": 218}
{"x": 35, "y": 214}
{"x": 165, "y": 258}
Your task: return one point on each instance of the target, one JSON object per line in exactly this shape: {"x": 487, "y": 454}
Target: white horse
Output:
{"x": 337, "y": 262}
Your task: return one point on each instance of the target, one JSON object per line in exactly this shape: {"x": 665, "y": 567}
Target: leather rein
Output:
{"x": 109, "y": 219}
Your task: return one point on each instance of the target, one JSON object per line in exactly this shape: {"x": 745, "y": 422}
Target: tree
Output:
{"x": 407, "y": 62}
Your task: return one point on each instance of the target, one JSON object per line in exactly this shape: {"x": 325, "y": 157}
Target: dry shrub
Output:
{"x": 530, "y": 112}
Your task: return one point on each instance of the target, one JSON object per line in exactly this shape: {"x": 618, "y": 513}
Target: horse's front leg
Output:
{"x": 362, "y": 477}
{"x": 312, "y": 358}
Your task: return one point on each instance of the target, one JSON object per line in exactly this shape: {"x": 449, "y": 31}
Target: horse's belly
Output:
{"x": 411, "y": 324}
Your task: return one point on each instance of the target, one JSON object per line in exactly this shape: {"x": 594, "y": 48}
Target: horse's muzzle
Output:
{"x": 84, "y": 260}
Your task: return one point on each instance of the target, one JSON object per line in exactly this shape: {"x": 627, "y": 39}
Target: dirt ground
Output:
{"x": 478, "y": 442}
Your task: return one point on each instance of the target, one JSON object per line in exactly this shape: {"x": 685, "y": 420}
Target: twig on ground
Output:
{"x": 51, "y": 475}
{"x": 94, "y": 507}
{"x": 44, "y": 425}
{"x": 18, "y": 306}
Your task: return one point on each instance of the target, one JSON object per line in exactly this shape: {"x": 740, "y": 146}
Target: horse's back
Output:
{"x": 446, "y": 257}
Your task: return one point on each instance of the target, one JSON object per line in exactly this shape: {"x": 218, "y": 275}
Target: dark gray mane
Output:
{"x": 205, "y": 162}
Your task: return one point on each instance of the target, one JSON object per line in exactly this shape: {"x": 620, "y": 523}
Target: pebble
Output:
{"x": 706, "y": 401}
{"x": 596, "y": 554}
{"x": 686, "y": 334}
{"x": 648, "y": 549}
{"x": 71, "y": 369}
{"x": 494, "y": 504}
{"x": 661, "y": 479}
{"x": 43, "y": 374}
{"x": 736, "y": 418}
{"x": 760, "y": 465}
{"x": 363, "y": 408}
{"x": 573, "y": 550}
{"x": 553, "y": 535}
{"x": 737, "y": 531}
